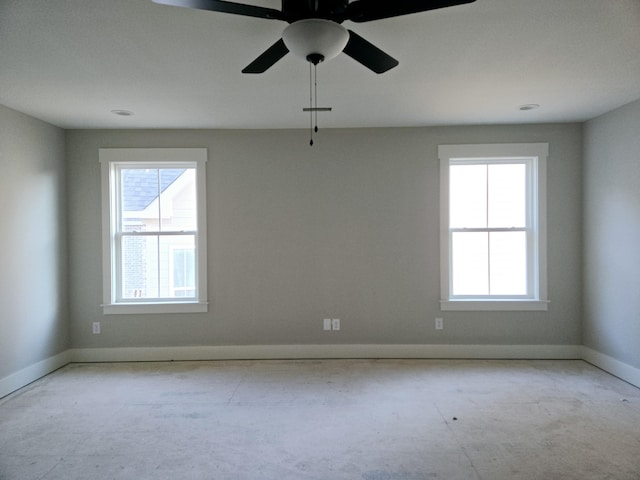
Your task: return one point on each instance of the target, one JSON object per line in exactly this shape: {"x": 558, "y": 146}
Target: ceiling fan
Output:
{"x": 315, "y": 30}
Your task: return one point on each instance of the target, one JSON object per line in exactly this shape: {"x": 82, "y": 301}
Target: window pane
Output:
{"x": 470, "y": 260}
{"x": 177, "y": 260}
{"x": 184, "y": 278}
{"x": 151, "y": 269}
{"x": 507, "y": 195}
{"x": 139, "y": 191}
{"x": 158, "y": 199}
{"x": 468, "y": 196}
{"x": 178, "y": 199}
{"x": 508, "y": 254}
{"x": 140, "y": 267}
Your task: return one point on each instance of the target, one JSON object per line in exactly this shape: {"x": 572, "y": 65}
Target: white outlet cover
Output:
{"x": 335, "y": 324}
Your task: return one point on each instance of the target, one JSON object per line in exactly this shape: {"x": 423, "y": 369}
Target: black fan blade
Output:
{"x": 274, "y": 53}
{"x": 367, "y": 10}
{"x": 368, "y": 54}
{"x": 226, "y": 7}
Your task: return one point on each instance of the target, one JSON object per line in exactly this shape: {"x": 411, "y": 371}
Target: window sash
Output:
{"x": 530, "y": 291}
{"x": 530, "y": 216}
{"x": 120, "y": 271}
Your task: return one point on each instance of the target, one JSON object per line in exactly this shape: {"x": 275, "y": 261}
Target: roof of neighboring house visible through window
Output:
{"x": 140, "y": 186}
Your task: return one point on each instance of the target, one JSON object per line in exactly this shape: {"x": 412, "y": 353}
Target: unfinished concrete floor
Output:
{"x": 329, "y": 419}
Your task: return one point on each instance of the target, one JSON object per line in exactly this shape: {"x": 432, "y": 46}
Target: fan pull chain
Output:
{"x": 313, "y": 100}
{"x": 310, "y": 107}
{"x": 315, "y": 81}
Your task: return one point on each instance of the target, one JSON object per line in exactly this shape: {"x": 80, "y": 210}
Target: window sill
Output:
{"x": 494, "y": 305}
{"x": 154, "y": 308}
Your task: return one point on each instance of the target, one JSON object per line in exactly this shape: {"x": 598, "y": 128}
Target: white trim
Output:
{"x": 154, "y": 308}
{"x": 272, "y": 352}
{"x": 537, "y": 153}
{"x": 615, "y": 367}
{"x": 494, "y": 306}
{"x": 494, "y": 150}
{"x": 144, "y": 155}
{"x": 169, "y": 156}
{"x": 29, "y": 374}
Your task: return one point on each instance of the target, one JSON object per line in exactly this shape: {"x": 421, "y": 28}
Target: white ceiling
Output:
{"x": 70, "y": 62}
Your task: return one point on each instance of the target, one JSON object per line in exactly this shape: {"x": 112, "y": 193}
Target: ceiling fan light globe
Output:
{"x": 315, "y": 36}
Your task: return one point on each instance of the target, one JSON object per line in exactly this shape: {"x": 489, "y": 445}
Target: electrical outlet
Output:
{"x": 327, "y": 324}
{"x": 335, "y": 324}
{"x": 439, "y": 323}
{"x": 96, "y": 327}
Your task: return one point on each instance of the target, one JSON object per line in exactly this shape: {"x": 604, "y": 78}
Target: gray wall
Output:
{"x": 347, "y": 229}
{"x": 33, "y": 292}
{"x": 612, "y": 234}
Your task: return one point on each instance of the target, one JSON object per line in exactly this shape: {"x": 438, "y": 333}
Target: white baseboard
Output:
{"x": 615, "y": 367}
{"x": 29, "y": 374}
{"x": 272, "y": 352}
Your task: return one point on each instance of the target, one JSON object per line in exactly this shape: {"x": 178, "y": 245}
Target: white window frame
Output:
{"x": 534, "y": 155}
{"x": 111, "y": 159}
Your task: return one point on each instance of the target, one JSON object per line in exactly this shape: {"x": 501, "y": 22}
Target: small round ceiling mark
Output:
{"x": 122, "y": 113}
{"x": 528, "y": 106}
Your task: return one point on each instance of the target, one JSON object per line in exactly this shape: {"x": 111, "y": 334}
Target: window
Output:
{"x": 493, "y": 226}
{"x": 154, "y": 232}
